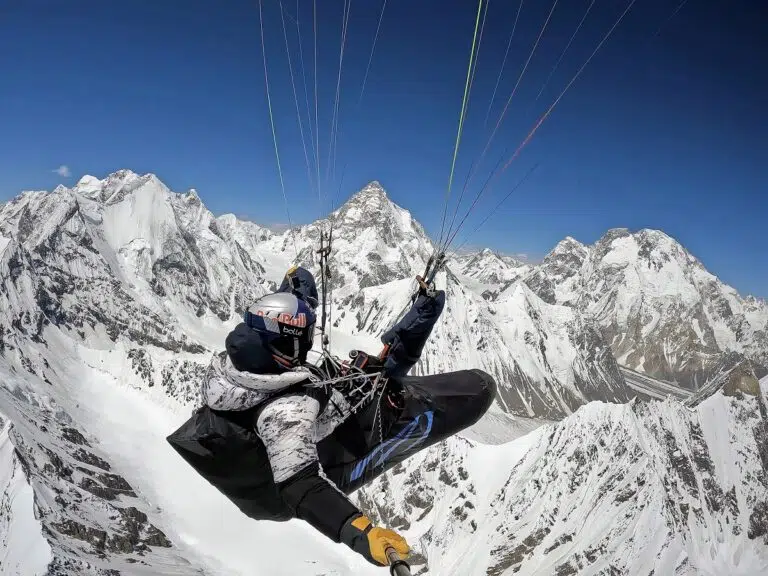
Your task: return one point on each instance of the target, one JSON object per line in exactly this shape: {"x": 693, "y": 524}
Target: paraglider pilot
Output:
{"x": 283, "y": 438}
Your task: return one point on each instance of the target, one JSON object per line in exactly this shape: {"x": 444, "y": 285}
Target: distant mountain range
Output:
{"x": 119, "y": 288}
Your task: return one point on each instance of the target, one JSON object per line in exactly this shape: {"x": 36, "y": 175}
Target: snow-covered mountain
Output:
{"x": 153, "y": 267}
{"x": 661, "y": 311}
{"x": 486, "y": 271}
{"x": 90, "y": 487}
{"x": 634, "y": 489}
{"x": 64, "y": 508}
{"x": 116, "y": 292}
{"x": 128, "y": 256}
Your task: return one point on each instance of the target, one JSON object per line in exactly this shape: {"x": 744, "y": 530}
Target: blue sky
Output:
{"x": 666, "y": 127}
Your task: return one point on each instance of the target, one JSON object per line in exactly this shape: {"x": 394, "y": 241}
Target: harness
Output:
{"x": 358, "y": 380}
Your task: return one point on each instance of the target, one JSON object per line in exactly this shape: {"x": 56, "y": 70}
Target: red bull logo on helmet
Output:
{"x": 299, "y": 320}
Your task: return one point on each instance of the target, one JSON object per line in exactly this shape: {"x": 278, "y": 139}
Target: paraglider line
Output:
{"x": 295, "y": 96}
{"x": 471, "y": 82}
{"x": 335, "y": 120}
{"x": 373, "y": 49}
{"x": 477, "y": 54}
{"x": 274, "y": 134}
{"x": 474, "y": 202}
{"x": 362, "y": 90}
{"x": 495, "y": 208}
{"x": 317, "y": 121}
{"x": 546, "y": 114}
{"x": 514, "y": 90}
{"x": 503, "y": 63}
{"x": 306, "y": 92}
{"x": 562, "y": 54}
{"x": 461, "y": 119}
{"x": 494, "y": 174}
{"x": 674, "y": 13}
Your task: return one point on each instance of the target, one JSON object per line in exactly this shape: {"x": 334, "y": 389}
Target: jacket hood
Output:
{"x": 227, "y": 388}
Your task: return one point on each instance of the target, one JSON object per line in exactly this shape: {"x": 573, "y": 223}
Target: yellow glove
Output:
{"x": 372, "y": 542}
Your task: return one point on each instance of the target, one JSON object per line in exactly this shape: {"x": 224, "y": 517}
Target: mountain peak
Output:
{"x": 374, "y": 187}
{"x": 123, "y": 175}
{"x": 643, "y": 235}
{"x": 88, "y": 185}
{"x": 568, "y": 244}
{"x": 118, "y": 185}
{"x": 372, "y": 193}
{"x": 614, "y": 234}
{"x": 568, "y": 251}
{"x": 488, "y": 255}
{"x": 648, "y": 244}
{"x": 369, "y": 200}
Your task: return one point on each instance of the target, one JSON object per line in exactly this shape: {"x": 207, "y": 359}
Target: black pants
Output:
{"x": 224, "y": 449}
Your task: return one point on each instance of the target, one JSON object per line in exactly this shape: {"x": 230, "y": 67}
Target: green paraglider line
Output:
{"x": 461, "y": 118}
{"x": 509, "y": 101}
{"x": 495, "y": 173}
{"x": 471, "y": 82}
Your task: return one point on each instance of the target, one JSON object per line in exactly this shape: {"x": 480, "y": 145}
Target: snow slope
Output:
{"x": 630, "y": 489}
{"x": 23, "y": 548}
{"x": 113, "y": 496}
{"x": 89, "y": 517}
{"x": 487, "y": 271}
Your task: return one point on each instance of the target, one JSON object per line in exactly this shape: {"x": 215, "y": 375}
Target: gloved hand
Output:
{"x": 372, "y": 542}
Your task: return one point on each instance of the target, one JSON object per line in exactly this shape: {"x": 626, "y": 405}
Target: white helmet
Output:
{"x": 287, "y": 325}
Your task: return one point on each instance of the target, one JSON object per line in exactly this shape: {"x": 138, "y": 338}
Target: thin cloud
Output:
{"x": 63, "y": 171}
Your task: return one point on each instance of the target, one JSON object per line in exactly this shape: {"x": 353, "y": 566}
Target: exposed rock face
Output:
{"x": 85, "y": 517}
{"x": 660, "y": 310}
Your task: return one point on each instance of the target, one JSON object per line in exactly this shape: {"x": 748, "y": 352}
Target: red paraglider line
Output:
{"x": 546, "y": 114}
{"x": 495, "y": 174}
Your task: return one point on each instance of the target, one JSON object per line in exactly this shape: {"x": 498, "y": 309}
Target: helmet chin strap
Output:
{"x": 284, "y": 363}
{"x": 284, "y": 360}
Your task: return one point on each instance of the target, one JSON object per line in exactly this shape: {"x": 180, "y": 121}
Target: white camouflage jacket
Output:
{"x": 290, "y": 426}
